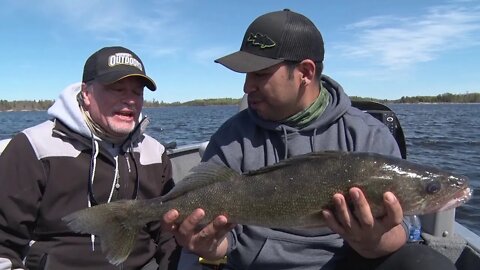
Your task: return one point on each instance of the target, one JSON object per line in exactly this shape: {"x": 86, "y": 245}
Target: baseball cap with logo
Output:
{"x": 273, "y": 38}
{"x": 111, "y": 64}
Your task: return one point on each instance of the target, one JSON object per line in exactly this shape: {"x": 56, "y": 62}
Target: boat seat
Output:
{"x": 385, "y": 115}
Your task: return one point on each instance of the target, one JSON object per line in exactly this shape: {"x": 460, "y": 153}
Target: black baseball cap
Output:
{"x": 111, "y": 64}
{"x": 273, "y": 38}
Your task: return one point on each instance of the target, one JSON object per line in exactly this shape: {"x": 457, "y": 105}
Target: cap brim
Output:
{"x": 245, "y": 62}
{"x": 115, "y": 77}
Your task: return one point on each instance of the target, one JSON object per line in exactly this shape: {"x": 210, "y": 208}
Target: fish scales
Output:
{"x": 289, "y": 194}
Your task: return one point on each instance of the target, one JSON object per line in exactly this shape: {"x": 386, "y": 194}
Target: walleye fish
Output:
{"x": 289, "y": 194}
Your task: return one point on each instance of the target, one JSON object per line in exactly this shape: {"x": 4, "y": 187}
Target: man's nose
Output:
{"x": 131, "y": 98}
{"x": 249, "y": 85}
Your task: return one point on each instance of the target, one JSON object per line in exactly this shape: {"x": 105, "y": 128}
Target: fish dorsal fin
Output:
{"x": 300, "y": 159}
{"x": 204, "y": 174}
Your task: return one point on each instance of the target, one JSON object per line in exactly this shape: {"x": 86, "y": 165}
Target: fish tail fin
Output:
{"x": 111, "y": 223}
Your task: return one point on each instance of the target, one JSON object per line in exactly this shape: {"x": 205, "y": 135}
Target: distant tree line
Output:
{"x": 28, "y": 105}
{"x": 41, "y": 105}
{"x": 25, "y": 105}
{"x": 197, "y": 102}
{"x": 442, "y": 98}
{"x": 213, "y": 101}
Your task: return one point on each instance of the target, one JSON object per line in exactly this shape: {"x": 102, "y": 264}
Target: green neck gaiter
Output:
{"x": 305, "y": 117}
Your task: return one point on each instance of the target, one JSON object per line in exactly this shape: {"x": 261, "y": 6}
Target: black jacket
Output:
{"x": 44, "y": 175}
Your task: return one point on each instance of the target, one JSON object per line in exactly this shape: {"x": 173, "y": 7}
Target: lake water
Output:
{"x": 442, "y": 135}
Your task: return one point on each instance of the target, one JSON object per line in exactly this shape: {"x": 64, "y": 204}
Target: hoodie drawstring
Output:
{"x": 312, "y": 140}
{"x": 93, "y": 165}
{"x": 137, "y": 177}
{"x": 115, "y": 182}
{"x": 285, "y": 142}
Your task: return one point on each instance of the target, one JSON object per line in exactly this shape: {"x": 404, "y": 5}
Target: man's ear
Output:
{"x": 85, "y": 95}
{"x": 307, "y": 70}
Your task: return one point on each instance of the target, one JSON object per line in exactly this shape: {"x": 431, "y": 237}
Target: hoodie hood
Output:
{"x": 339, "y": 103}
{"x": 66, "y": 109}
{"x": 293, "y": 137}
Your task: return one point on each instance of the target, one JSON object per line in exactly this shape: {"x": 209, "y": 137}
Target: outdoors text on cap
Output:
{"x": 124, "y": 59}
{"x": 261, "y": 40}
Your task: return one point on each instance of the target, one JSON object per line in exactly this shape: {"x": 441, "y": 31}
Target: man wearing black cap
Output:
{"x": 293, "y": 109}
{"x": 92, "y": 151}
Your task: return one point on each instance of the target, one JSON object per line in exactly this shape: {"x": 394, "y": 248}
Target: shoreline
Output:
{"x": 202, "y": 105}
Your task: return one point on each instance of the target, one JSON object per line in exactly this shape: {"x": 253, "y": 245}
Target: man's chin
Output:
{"x": 265, "y": 115}
{"x": 123, "y": 129}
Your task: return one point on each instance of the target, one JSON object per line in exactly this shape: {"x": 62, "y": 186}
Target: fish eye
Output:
{"x": 433, "y": 187}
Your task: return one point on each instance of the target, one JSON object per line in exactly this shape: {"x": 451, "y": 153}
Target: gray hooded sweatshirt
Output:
{"x": 246, "y": 142}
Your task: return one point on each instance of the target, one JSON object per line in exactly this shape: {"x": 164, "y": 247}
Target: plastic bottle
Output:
{"x": 415, "y": 229}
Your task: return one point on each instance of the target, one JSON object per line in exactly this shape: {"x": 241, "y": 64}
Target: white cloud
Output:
{"x": 155, "y": 25}
{"x": 397, "y": 43}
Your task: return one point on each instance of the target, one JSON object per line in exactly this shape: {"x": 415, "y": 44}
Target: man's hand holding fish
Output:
{"x": 209, "y": 242}
{"x": 371, "y": 237}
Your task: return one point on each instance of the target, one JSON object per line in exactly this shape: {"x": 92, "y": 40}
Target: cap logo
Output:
{"x": 261, "y": 40}
{"x": 124, "y": 59}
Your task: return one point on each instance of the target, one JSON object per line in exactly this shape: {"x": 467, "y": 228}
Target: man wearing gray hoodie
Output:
{"x": 93, "y": 150}
{"x": 293, "y": 109}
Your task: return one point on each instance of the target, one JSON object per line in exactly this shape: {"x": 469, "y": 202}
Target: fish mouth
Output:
{"x": 461, "y": 197}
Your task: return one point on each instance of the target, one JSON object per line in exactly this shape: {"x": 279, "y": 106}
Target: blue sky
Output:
{"x": 381, "y": 49}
